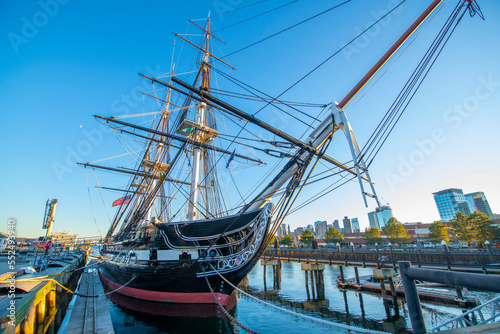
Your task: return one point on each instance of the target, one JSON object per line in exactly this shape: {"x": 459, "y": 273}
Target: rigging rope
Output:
{"x": 234, "y": 10}
{"x": 398, "y": 107}
{"x": 286, "y": 29}
{"x": 268, "y": 102}
{"x": 91, "y": 205}
{"x": 253, "y": 17}
{"x": 334, "y": 54}
{"x": 102, "y": 197}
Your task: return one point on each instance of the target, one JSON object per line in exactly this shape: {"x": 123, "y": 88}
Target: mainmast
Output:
{"x": 200, "y": 122}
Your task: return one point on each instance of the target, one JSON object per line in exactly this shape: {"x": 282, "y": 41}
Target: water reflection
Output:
{"x": 136, "y": 315}
{"x": 317, "y": 303}
{"x": 285, "y": 287}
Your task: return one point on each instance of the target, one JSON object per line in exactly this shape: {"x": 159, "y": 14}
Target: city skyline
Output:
{"x": 80, "y": 62}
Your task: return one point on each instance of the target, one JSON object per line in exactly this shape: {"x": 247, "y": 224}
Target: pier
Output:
{"x": 469, "y": 260}
{"x": 39, "y": 300}
{"x": 88, "y": 313}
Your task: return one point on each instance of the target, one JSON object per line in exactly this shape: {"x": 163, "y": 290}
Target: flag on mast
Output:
{"x": 123, "y": 200}
{"x": 231, "y": 158}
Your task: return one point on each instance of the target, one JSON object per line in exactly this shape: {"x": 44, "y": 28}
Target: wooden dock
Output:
{"x": 89, "y": 315}
{"x": 431, "y": 295}
{"x": 39, "y": 304}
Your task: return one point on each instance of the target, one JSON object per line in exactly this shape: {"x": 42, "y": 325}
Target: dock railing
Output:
{"x": 476, "y": 316}
{"x": 457, "y": 279}
{"x": 389, "y": 256}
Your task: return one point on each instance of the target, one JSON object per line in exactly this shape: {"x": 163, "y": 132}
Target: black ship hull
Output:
{"x": 184, "y": 280}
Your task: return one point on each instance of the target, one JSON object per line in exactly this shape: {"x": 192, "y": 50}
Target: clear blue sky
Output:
{"x": 62, "y": 62}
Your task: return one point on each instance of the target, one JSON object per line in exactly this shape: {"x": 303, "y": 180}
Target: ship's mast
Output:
{"x": 200, "y": 120}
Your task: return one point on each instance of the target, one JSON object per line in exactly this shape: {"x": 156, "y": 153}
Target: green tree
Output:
{"x": 438, "y": 232}
{"x": 463, "y": 228}
{"x": 372, "y": 235}
{"x": 307, "y": 237}
{"x": 333, "y": 236}
{"x": 483, "y": 227}
{"x": 286, "y": 240}
{"x": 395, "y": 231}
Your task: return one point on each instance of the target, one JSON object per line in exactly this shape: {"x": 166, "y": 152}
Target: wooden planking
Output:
{"x": 27, "y": 303}
{"x": 90, "y": 315}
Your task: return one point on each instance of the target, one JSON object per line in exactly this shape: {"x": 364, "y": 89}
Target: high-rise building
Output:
{"x": 479, "y": 202}
{"x": 355, "y": 225}
{"x": 372, "y": 218}
{"x": 336, "y": 224}
{"x": 282, "y": 231}
{"x": 450, "y": 201}
{"x": 316, "y": 223}
{"x": 380, "y": 216}
{"x": 384, "y": 213}
{"x": 347, "y": 225}
{"x": 310, "y": 227}
{"x": 321, "y": 229}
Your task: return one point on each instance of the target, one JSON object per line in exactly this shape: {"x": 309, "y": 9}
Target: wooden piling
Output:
{"x": 312, "y": 285}
{"x": 307, "y": 285}
{"x": 357, "y": 275}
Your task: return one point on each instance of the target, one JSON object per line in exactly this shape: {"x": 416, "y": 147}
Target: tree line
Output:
{"x": 475, "y": 227}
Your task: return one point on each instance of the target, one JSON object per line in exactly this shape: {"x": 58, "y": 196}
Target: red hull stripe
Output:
{"x": 168, "y": 297}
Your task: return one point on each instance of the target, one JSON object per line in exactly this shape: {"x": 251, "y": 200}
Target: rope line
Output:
{"x": 92, "y": 205}
{"x": 326, "y": 322}
{"x": 286, "y": 29}
{"x": 255, "y": 16}
{"x": 226, "y": 313}
{"x": 37, "y": 279}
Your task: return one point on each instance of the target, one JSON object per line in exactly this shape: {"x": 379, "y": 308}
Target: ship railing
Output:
{"x": 486, "y": 313}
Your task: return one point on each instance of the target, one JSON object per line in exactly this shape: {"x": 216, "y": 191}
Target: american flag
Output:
{"x": 123, "y": 200}
{"x": 238, "y": 260}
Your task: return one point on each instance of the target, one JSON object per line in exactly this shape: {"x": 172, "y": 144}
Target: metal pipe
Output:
{"x": 411, "y": 295}
{"x": 468, "y": 280}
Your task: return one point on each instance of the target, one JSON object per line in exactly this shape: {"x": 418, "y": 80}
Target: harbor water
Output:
{"x": 342, "y": 307}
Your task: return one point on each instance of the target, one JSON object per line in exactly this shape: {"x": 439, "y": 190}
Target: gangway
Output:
{"x": 486, "y": 313}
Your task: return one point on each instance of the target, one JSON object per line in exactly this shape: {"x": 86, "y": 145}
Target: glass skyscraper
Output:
{"x": 355, "y": 225}
{"x": 380, "y": 217}
{"x": 479, "y": 202}
{"x": 372, "y": 218}
{"x": 450, "y": 201}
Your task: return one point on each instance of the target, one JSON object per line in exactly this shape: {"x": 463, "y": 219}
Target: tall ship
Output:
{"x": 210, "y": 182}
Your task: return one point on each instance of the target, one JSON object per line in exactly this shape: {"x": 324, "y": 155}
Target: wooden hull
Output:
{"x": 185, "y": 281}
